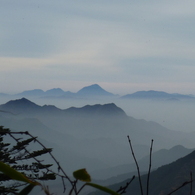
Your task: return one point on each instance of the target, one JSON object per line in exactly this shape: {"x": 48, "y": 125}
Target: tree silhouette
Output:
{"x": 15, "y": 150}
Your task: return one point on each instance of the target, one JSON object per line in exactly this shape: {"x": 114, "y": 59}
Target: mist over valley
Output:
{"x": 89, "y": 129}
{"x": 173, "y": 111}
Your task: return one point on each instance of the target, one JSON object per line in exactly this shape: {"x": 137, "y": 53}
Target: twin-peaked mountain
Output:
{"x": 39, "y": 92}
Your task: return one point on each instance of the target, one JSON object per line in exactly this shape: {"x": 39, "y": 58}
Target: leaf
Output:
{"x": 102, "y": 188}
{"x": 82, "y": 175}
{"x": 13, "y": 174}
{"x": 27, "y": 189}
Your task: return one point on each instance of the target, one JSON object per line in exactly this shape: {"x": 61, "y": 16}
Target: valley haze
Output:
{"x": 90, "y": 127}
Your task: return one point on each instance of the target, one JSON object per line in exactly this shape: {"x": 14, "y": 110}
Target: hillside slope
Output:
{"x": 165, "y": 179}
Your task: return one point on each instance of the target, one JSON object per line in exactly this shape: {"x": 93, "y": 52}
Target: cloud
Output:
{"x": 98, "y": 41}
{"x": 41, "y": 29}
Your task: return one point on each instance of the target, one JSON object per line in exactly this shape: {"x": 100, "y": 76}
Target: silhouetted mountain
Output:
{"x": 25, "y": 106}
{"x": 165, "y": 179}
{"x": 156, "y": 95}
{"x": 20, "y": 106}
{"x": 93, "y": 90}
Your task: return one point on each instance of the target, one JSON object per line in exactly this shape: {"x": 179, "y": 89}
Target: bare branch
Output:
{"x": 139, "y": 176}
{"x": 122, "y": 190}
{"x": 148, "y": 179}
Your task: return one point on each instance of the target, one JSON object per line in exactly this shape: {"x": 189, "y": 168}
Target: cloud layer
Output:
{"x": 149, "y": 45}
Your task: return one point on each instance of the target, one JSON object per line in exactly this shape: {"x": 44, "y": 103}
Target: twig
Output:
{"x": 139, "y": 176}
{"x": 148, "y": 179}
{"x": 122, "y": 190}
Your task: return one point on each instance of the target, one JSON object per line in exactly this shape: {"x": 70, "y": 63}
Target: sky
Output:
{"x": 124, "y": 46}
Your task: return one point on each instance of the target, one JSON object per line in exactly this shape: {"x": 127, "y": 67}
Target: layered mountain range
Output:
{"x": 95, "y": 137}
{"x": 27, "y": 107}
{"x": 96, "y": 91}
{"x": 97, "y": 130}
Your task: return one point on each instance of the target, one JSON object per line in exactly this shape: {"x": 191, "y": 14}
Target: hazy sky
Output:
{"x": 122, "y": 45}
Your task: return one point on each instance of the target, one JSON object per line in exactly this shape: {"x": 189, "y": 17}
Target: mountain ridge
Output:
{"x": 96, "y": 91}
{"x": 156, "y": 95}
{"x": 98, "y": 117}
{"x": 26, "y": 106}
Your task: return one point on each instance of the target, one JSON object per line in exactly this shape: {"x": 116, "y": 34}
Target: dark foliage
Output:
{"x": 16, "y": 152}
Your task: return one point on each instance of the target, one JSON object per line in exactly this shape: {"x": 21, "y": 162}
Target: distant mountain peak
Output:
{"x": 156, "y": 95}
{"x": 93, "y": 90}
{"x": 90, "y": 88}
{"x": 94, "y": 85}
